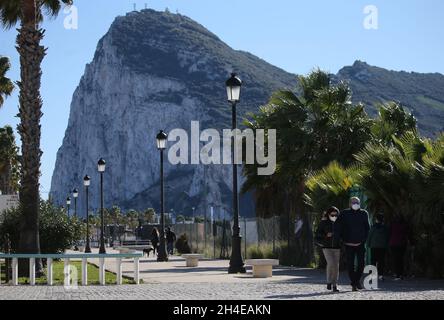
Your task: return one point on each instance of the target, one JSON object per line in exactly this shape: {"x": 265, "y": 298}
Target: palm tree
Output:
{"x": 132, "y": 220}
{"x": 393, "y": 120}
{"x": 9, "y": 161}
{"x": 29, "y": 13}
{"x": 330, "y": 186}
{"x": 6, "y": 85}
{"x": 313, "y": 128}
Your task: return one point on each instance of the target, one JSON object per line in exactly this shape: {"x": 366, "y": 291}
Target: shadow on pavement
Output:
{"x": 180, "y": 269}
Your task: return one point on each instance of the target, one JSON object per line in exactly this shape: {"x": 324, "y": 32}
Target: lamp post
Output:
{"x": 233, "y": 85}
{"x": 86, "y": 183}
{"x": 161, "y": 139}
{"x": 101, "y": 168}
{"x": 75, "y": 194}
{"x": 68, "y": 203}
{"x": 191, "y": 230}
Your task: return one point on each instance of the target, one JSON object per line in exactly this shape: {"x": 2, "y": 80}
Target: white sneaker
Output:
{"x": 381, "y": 278}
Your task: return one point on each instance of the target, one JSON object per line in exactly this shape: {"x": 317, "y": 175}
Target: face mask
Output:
{"x": 333, "y": 219}
{"x": 356, "y": 206}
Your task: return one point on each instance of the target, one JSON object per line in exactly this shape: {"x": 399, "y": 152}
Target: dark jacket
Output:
{"x": 325, "y": 227}
{"x": 155, "y": 240}
{"x": 170, "y": 236}
{"x": 352, "y": 226}
{"x": 378, "y": 236}
{"x": 398, "y": 234}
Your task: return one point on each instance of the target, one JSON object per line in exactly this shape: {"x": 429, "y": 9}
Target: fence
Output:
{"x": 273, "y": 237}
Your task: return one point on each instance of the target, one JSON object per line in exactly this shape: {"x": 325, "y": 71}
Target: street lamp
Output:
{"x": 68, "y": 203}
{"x": 101, "y": 168}
{"x": 75, "y": 194}
{"x": 86, "y": 183}
{"x": 233, "y": 93}
{"x": 161, "y": 139}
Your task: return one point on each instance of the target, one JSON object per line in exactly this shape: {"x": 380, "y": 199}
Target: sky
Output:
{"x": 294, "y": 35}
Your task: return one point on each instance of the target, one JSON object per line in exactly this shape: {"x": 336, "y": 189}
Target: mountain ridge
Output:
{"x": 155, "y": 70}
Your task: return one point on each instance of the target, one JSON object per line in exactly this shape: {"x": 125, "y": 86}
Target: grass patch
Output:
{"x": 93, "y": 275}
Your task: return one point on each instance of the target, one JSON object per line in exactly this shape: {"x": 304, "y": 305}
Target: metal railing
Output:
{"x": 67, "y": 258}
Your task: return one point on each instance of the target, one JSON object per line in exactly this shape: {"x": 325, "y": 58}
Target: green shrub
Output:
{"x": 262, "y": 251}
{"x": 57, "y": 231}
{"x": 254, "y": 252}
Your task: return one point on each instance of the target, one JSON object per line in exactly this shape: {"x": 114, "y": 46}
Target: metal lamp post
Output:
{"x": 75, "y": 194}
{"x": 191, "y": 230}
{"x": 68, "y": 203}
{"x": 101, "y": 168}
{"x": 162, "y": 256}
{"x": 86, "y": 183}
{"x": 236, "y": 262}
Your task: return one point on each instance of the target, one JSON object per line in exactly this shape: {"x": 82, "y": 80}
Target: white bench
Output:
{"x": 134, "y": 249}
{"x": 262, "y": 268}
{"x": 123, "y": 250}
{"x": 66, "y": 258}
{"x": 192, "y": 260}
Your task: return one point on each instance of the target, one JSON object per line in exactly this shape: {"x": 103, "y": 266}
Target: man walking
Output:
{"x": 171, "y": 239}
{"x": 353, "y": 228}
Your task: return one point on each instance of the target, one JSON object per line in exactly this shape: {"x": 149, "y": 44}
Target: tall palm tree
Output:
{"x": 29, "y": 13}
{"x": 6, "y": 85}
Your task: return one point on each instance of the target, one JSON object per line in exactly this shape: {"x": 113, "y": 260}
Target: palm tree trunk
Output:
{"x": 31, "y": 56}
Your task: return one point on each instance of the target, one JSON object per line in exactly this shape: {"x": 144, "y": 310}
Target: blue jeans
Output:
{"x": 170, "y": 247}
{"x": 355, "y": 271}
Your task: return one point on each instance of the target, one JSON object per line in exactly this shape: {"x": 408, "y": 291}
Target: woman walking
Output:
{"x": 155, "y": 238}
{"x": 398, "y": 245}
{"x": 330, "y": 247}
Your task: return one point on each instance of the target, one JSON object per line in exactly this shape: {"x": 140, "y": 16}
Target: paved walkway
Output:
{"x": 210, "y": 281}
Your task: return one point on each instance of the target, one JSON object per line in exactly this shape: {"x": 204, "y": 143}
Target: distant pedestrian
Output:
{"x": 155, "y": 238}
{"x": 171, "y": 239}
{"x": 398, "y": 245}
{"x": 352, "y": 228}
{"x": 378, "y": 241}
{"x": 330, "y": 246}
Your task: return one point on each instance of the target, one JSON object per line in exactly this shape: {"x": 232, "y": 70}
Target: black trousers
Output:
{"x": 355, "y": 271}
{"x": 378, "y": 259}
{"x": 398, "y": 260}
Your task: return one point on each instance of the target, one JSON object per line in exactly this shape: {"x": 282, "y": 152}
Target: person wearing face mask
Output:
{"x": 378, "y": 241}
{"x": 352, "y": 227}
{"x": 398, "y": 244}
{"x": 330, "y": 247}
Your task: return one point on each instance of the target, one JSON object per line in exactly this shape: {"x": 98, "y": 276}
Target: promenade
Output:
{"x": 210, "y": 281}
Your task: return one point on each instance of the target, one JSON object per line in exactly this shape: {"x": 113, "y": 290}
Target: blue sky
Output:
{"x": 295, "y": 35}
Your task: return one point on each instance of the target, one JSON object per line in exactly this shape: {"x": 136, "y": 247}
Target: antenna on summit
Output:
{"x": 134, "y": 7}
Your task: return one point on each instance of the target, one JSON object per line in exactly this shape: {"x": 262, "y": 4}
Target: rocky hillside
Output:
{"x": 422, "y": 93}
{"x": 156, "y": 70}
